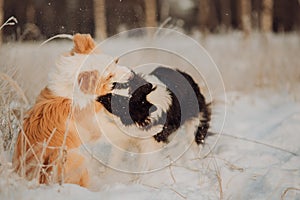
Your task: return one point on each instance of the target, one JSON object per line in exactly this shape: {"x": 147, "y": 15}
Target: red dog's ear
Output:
{"x": 87, "y": 81}
{"x": 83, "y": 44}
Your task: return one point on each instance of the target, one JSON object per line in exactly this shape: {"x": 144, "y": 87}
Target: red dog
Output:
{"x": 47, "y": 148}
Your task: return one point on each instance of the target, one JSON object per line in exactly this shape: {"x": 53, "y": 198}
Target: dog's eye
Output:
{"x": 109, "y": 76}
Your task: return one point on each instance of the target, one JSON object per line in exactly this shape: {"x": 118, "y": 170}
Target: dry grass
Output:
{"x": 258, "y": 62}
{"x": 12, "y": 113}
{"x": 13, "y": 106}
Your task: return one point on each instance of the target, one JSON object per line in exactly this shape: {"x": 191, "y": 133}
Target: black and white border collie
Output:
{"x": 166, "y": 97}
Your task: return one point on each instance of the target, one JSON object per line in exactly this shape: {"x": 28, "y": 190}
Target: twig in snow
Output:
{"x": 14, "y": 85}
{"x": 261, "y": 143}
{"x": 286, "y": 191}
{"x": 218, "y": 174}
{"x": 179, "y": 194}
{"x": 150, "y": 186}
{"x": 63, "y": 150}
{"x": 45, "y": 146}
{"x": 231, "y": 166}
{"x": 171, "y": 173}
{"x": 30, "y": 149}
{"x": 188, "y": 168}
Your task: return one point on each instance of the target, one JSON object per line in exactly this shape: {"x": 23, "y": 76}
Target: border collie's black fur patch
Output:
{"x": 187, "y": 103}
{"x": 131, "y": 110}
{"x": 139, "y": 107}
{"x": 120, "y": 106}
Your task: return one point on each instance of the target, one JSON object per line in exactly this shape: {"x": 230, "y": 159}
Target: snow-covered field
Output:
{"x": 257, "y": 154}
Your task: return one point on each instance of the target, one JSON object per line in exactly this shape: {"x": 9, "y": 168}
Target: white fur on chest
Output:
{"x": 62, "y": 80}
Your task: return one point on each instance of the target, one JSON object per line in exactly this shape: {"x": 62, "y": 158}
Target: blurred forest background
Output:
{"x": 40, "y": 19}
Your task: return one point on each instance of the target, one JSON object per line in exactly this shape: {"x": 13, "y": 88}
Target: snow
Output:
{"x": 257, "y": 156}
{"x": 261, "y": 161}
{"x": 270, "y": 125}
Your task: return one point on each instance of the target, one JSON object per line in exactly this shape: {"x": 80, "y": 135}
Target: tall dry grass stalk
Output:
{"x": 14, "y": 85}
{"x": 13, "y": 104}
{"x": 49, "y": 173}
{"x": 66, "y": 36}
{"x": 1, "y": 18}
{"x": 33, "y": 157}
{"x": 10, "y": 22}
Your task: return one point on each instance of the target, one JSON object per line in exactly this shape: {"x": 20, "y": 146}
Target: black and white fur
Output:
{"x": 166, "y": 97}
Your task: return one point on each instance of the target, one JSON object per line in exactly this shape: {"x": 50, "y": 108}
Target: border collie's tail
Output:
{"x": 203, "y": 127}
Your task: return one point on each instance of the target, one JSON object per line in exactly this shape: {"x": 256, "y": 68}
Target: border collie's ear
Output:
{"x": 83, "y": 44}
{"x": 87, "y": 81}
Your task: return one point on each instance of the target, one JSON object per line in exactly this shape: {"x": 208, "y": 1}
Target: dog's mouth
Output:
{"x": 117, "y": 105}
{"x": 128, "y": 102}
{"x": 124, "y": 85}
{"x": 127, "y": 110}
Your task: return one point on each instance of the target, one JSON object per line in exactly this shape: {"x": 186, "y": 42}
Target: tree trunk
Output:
{"x": 164, "y": 10}
{"x": 245, "y": 8}
{"x": 30, "y": 12}
{"x": 150, "y": 11}
{"x": 267, "y": 16}
{"x": 203, "y": 15}
{"x": 1, "y": 18}
{"x": 100, "y": 19}
{"x": 225, "y": 14}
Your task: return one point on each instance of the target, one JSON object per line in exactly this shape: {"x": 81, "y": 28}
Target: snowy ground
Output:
{"x": 257, "y": 156}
